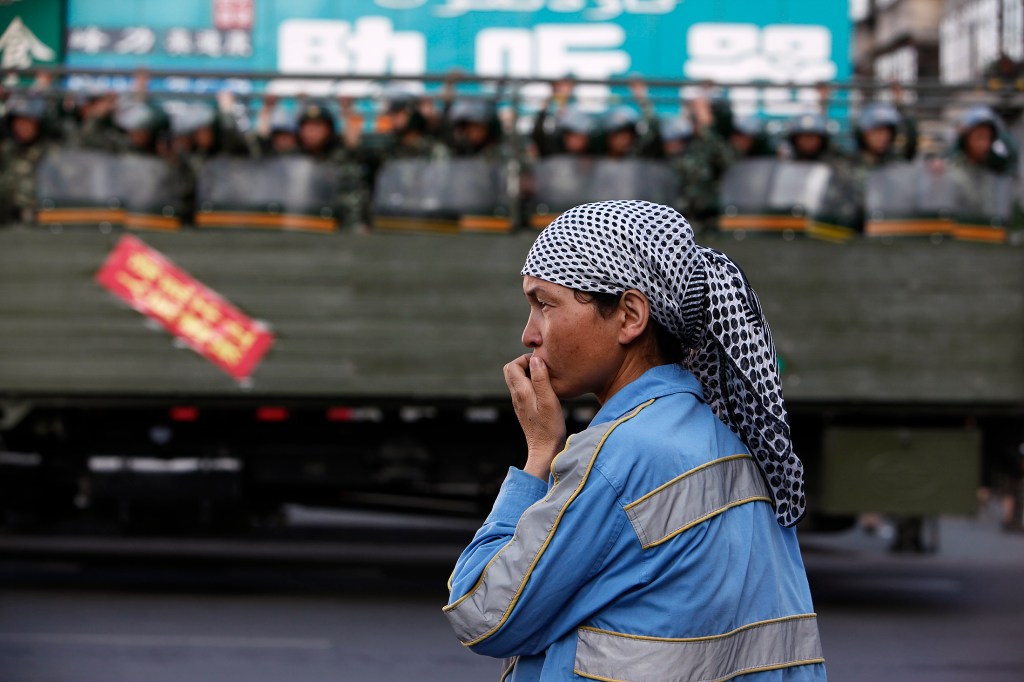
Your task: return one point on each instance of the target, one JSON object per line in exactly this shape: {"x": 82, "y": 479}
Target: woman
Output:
{"x": 658, "y": 543}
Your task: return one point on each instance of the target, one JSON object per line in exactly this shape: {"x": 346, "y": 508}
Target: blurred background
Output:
{"x": 259, "y": 275}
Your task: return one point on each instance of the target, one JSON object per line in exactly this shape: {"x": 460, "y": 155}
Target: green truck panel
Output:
{"x": 900, "y": 471}
{"x": 436, "y": 316}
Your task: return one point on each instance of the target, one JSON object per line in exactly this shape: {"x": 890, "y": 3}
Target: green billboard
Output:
{"x": 31, "y": 32}
{"x": 773, "y": 43}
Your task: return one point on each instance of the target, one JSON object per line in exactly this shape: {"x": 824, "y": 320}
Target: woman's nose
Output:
{"x": 531, "y": 337}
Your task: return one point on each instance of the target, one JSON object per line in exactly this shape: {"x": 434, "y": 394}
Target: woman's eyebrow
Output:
{"x": 534, "y": 291}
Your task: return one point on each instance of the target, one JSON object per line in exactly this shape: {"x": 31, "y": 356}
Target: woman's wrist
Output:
{"x": 539, "y": 464}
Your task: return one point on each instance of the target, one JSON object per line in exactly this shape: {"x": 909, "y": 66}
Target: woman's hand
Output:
{"x": 539, "y": 412}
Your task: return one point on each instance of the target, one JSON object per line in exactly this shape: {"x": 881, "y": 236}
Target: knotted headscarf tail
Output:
{"x": 704, "y": 300}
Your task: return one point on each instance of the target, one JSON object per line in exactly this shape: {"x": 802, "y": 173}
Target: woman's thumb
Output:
{"x": 540, "y": 379}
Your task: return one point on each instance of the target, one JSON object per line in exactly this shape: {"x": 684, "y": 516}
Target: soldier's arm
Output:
{"x": 352, "y": 202}
{"x": 649, "y": 142}
{"x": 908, "y": 135}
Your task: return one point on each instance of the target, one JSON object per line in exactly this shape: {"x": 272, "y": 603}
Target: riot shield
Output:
{"x": 908, "y": 199}
{"x": 769, "y": 196}
{"x": 291, "y": 192}
{"x": 835, "y": 204}
{"x": 560, "y": 182}
{"x": 399, "y": 188}
{"x": 477, "y": 192}
{"x": 642, "y": 179}
{"x": 798, "y": 187}
{"x": 150, "y": 192}
{"x": 91, "y": 187}
{"x": 565, "y": 181}
{"x": 441, "y": 195}
{"x": 78, "y": 187}
{"x": 984, "y": 204}
{"x": 745, "y": 187}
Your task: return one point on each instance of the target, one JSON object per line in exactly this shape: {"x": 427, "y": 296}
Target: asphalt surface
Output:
{"x": 957, "y": 614}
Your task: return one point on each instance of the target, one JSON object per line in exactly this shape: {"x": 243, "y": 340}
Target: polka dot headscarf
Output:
{"x": 704, "y": 300}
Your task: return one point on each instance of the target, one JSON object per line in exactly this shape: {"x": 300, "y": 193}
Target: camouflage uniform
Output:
{"x": 902, "y": 147}
{"x": 95, "y": 132}
{"x": 413, "y": 141}
{"x": 18, "y": 179}
{"x": 970, "y": 175}
{"x": 152, "y": 119}
{"x": 20, "y": 160}
{"x": 353, "y": 200}
{"x": 98, "y": 132}
{"x": 843, "y": 201}
{"x": 698, "y": 169}
{"x": 227, "y": 139}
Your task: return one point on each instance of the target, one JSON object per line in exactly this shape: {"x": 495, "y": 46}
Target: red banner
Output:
{"x": 156, "y": 287}
{"x": 233, "y": 14}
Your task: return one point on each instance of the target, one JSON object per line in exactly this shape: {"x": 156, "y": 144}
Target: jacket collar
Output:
{"x": 656, "y": 382}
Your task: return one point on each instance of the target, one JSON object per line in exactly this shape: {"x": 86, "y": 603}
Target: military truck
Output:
{"x": 901, "y": 358}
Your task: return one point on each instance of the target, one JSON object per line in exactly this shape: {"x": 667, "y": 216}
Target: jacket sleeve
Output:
{"x": 512, "y": 587}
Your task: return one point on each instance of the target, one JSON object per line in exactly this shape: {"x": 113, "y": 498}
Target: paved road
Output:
{"x": 957, "y": 615}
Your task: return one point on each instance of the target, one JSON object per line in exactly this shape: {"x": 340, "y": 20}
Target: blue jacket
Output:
{"x": 652, "y": 554}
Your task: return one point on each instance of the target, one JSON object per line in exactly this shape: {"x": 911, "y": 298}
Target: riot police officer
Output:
{"x": 276, "y": 131}
{"x": 698, "y": 159}
{"x": 474, "y": 128}
{"x": 810, "y": 139}
{"x": 573, "y": 133}
{"x": 982, "y": 142}
{"x": 407, "y": 131}
{"x": 20, "y": 152}
{"x": 884, "y": 135}
{"x": 91, "y": 123}
{"x": 317, "y": 131}
{"x": 626, "y": 135}
{"x": 146, "y": 127}
{"x": 318, "y": 138}
{"x": 748, "y": 139}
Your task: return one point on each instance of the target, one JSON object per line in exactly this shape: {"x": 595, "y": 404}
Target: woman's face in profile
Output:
{"x": 580, "y": 347}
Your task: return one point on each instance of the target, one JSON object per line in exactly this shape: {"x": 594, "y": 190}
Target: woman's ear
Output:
{"x": 635, "y": 311}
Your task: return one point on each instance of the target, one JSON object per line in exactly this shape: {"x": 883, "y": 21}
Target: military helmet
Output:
{"x": 401, "y": 101}
{"x": 473, "y": 111}
{"x": 187, "y": 119}
{"x": 283, "y": 121}
{"x": 878, "y": 115}
{"x": 400, "y": 98}
{"x": 141, "y": 116}
{"x": 676, "y": 128}
{"x": 750, "y": 125}
{"x": 620, "y": 118}
{"x": 316, "y": 111}
{"x": 575, "y": 120}
{"x": 90, "y": 91}
{"x": 26, "y": 107}
{"x": 980, "y": 115}
{"x": 814, "y": 124}
{"x": 397, "y": 96}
